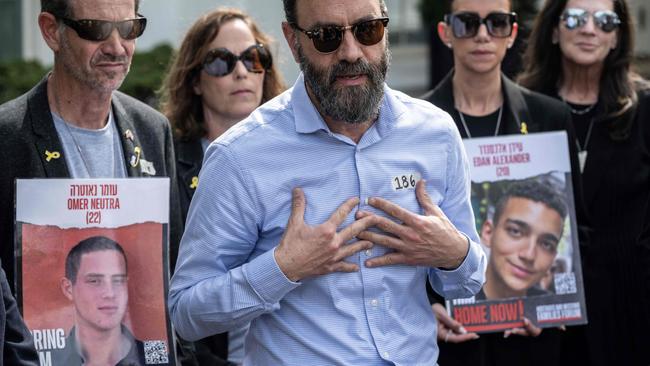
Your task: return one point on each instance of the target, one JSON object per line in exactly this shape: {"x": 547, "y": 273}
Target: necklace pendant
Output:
{"x": 582, "y": 159}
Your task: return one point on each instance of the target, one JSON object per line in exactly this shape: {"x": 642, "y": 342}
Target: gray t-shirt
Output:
{"x": 91, "y": 153}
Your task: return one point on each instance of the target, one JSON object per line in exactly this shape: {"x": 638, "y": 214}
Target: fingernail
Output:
{"x": 462, "y": 330}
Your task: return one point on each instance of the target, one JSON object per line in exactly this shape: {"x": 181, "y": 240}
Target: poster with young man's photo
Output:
{"x": 93, "y": 270}
{"x": 525, "y": 216}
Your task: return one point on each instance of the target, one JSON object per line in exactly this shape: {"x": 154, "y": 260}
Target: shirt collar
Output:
{"x": 307, "y": 117}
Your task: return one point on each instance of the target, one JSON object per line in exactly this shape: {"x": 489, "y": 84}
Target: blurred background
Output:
{"x": 419, "y": 59}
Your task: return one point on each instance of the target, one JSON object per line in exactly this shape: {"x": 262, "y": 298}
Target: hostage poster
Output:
{"x": 92, "y": 260}
{"x": 522, "y": 197}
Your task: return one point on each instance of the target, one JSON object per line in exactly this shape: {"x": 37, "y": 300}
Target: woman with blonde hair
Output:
{"x": 221, "y": 73}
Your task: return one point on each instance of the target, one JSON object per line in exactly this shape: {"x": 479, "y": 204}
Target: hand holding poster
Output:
{"x": 93, "y": 269}
{"x": 523, "y": 202}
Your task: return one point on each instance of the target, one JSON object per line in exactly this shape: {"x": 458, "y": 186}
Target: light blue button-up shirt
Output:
{"x": 227, "y": 275}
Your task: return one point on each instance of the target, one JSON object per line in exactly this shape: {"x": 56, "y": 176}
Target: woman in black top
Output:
{"x": 222, "y": 72}
{"x": 484, "y": 102}
{"x": 580, "y": 52}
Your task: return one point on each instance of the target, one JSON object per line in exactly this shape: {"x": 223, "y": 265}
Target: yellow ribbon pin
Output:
{"x": 135, "y": 158}
{"x": 195, "y": 182}
{"x": 524, "y": 128}
{"x": 52, "y": 155}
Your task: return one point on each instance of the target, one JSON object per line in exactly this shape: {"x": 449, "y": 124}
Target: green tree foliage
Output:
{"x": 17, "y": 77}
{"x": 147, "y": 72}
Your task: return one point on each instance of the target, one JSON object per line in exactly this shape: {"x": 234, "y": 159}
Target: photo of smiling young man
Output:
{"x": 523, "y": 237}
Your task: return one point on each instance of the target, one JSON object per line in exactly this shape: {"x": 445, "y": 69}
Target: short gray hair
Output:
{"x": 62, "y": 8}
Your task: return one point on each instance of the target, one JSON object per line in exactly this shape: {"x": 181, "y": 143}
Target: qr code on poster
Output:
{"x": 155, "y": 352}
{"x": 565, "y": 283}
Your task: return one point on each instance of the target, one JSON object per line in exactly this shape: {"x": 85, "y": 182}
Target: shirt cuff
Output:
{"x": 469, "y": 265}
{"x": 267, "y": 279}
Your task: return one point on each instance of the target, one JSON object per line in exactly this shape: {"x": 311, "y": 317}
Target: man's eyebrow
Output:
{"x": 552, "y": 237}
{"x": 518, "y": 223}
{"x": 322, "y": 24}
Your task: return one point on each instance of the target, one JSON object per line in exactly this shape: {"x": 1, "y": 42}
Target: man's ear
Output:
{"x": 49, "y": 30}
{"x": 443, "y": 33}
{"x": 291, "y": 37}
{"x": 486, "y": 232}
{"x": 66, "y": 288}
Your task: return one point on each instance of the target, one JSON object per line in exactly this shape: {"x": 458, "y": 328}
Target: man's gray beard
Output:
{"x": 351, "y": 104}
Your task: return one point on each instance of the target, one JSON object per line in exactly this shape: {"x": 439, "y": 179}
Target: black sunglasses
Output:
{"x": 466, "y": 24}
{"x": 328, "y": 39}
{"x": 575, "y": 18}
{"x": 221, "y": 62}
{"x": 99, "y": 30}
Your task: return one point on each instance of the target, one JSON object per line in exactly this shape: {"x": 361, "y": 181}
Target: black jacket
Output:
{"x": 616, "y": 265}
{"x": 16, "y": 343}
{"x": 540, "y": 114}
{"x": 27, "y": 131}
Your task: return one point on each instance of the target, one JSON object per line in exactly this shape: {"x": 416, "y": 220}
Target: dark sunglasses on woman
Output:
{"x": 99, "y": 30}
{"x": 221, "y": 62}
{"x": 606, "y": 20}
{"x": 466, "y": 24}
{"x": 328, "y": 39}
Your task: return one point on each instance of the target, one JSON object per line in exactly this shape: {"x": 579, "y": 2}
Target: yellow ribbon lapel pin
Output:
{"x": 51, "y": 155}
{"x": 524, "y": 128}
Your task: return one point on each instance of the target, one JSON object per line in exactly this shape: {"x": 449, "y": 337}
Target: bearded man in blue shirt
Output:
{"x": 320, "y": 216}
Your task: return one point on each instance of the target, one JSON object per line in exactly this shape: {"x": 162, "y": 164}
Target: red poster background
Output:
{"x": 44, "y": 249}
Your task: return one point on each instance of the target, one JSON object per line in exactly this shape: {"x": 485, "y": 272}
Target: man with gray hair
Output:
{"x": 74, "y": 123}
{"x": 271, "y": 238}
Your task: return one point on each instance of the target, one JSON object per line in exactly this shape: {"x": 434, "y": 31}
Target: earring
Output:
{"x": 448, "y": 45}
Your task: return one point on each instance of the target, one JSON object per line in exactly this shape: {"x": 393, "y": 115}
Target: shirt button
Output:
{"x": 374, "y": 302}
{"x": 368, "y": 252}
{"x": 386, "y": 354}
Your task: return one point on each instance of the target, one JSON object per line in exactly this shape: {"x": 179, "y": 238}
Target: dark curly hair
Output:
{"x": 535, "y": 191}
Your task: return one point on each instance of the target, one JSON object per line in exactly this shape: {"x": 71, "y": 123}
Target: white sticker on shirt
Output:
{"x": 405, "y": 181}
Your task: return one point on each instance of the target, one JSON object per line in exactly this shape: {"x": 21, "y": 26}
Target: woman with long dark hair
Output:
{"x": 580, "y": 51}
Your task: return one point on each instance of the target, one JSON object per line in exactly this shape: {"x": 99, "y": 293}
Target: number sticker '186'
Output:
{"x": 405, "y": 181}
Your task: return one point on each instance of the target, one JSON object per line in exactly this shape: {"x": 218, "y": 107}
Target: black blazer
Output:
{"x": 27, "y": 131}
{"x": 16, "y": 343}
{"x": 616, "y": 265}
{"x": 541, "y": 114}
{"x": 189, "y": 158}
